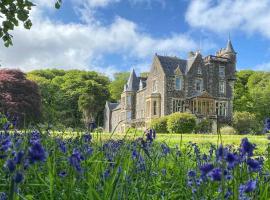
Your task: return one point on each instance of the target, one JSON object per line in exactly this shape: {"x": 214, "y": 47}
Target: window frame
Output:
{"x": 180, "y": 83}
{"x": 201, "y": 85}
{"x": 221, "y": 73}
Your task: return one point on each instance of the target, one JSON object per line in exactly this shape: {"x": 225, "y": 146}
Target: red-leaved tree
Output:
{"x": 19, "y": 96}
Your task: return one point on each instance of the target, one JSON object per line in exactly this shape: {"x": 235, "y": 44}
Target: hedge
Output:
{"x": 181, "y": 123}
{"x": 159, "y": 125}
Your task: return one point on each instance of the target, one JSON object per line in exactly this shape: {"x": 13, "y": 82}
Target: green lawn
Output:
{"x": 202, "y": 140}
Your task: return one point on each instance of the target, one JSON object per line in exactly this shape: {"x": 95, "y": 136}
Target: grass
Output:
{"x": 203, "y": 140}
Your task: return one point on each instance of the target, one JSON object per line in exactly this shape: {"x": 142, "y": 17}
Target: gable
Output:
{"x": 170, "y": 64}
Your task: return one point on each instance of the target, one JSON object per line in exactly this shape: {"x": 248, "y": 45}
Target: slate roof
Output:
{"x": 229, "y": 48}
{"x": 112, "y": 105}
{"x": 169, "y": 64}
{"x": 133, "y": 82}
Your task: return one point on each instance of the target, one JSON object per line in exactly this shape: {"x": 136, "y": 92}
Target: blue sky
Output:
{"x": 115, "y": 35}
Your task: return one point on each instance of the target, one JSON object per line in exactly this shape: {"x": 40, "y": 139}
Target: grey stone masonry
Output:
{"x": 200, "y": 85}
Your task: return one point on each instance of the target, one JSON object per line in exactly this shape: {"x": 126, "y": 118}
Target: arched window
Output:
{"x": 199, "y": 71}
{"x": 178, "y": 83}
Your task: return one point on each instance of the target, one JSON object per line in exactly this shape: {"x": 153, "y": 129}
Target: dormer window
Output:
{"x": 199, "y": 71}
{"x": 221, "y": 71}
{"x": 199, "y": 85}
{"x": 154, "y": 89}
{"x": 178, "y": 83}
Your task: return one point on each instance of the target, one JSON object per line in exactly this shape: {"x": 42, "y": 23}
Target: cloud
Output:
{"x": 52, "y": 44}
{"x": 219, "y": 16}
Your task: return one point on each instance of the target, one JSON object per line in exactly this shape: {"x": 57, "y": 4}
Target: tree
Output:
{"x": 242, "y": 99}
{"x": 61, "y": 91}
{"x": 117, "y": 85}
{"x": 12, "y": 12}
{"x": 19, "y": 96}
{"x": 245, "y": 123}
{"x": 92, "y": 101}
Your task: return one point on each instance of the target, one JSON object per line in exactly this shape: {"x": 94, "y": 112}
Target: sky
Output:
{"x": 111, "y": 36}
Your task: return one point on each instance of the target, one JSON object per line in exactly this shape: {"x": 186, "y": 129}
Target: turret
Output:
{"x": 229, "y": 52}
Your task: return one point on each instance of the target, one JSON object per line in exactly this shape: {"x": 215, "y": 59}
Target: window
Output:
{"x": 177, "y": 105}
{"x": 178, "y": 83}
{"x": 129, "y": 100}
{"x": 221, "y": 108}
{"x": 221, "y": 87}
{"x": 199, "y": 85}
{"x": 221, "y": 71}
{"x": 128, "y": 115}
{"x": 154, "y": 86}
{"x": 155, "y": 107}
{"x": 199, "y": 70}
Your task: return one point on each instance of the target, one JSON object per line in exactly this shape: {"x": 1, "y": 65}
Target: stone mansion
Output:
{"x": 199, "y": 85}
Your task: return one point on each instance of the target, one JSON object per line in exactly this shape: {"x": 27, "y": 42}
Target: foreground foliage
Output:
{"x": 39, "y": 165}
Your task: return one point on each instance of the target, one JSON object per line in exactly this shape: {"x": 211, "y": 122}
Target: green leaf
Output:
{"x": 58, "y": 4}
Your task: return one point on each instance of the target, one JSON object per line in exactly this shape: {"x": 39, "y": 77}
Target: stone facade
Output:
{"x": 200, "y": 85}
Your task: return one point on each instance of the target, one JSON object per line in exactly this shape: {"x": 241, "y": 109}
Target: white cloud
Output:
{"x": 76, "y": 45}
{"x": 219, "y": 16}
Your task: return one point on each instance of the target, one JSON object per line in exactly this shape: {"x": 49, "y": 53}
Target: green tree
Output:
{"x": 61, "y": 91}
{"x": 92, "y": 100}
{"x": 117, "y": 85}
{"x": 245, "y": 122}
{"x": 12, "y": 12}
{"x": 242, "y": 99}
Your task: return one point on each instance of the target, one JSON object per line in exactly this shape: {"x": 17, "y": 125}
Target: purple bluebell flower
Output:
{"x": 216, "y": 174}
{"x": 254, "y": 165}
{"x": 87, "y": 137}
{"x": 62, "y": 174}
{"x": 6, "y": 144}
{"x": 3, "y": 196}
{"x": 206, "y": 168}
{"x": 231, "y": 159}
{"x": 134, "y": 154}
{"x": 220, "y": 153}
{"x": 75, "y": 160}
{"x": 165, "y": 149}
{"x": 19, "y": 157}
{"x": 36, "y": 153}
{"x": 18, "y": 178}
{"x": 61, "y": 145}
{"x": 247, "y": 147}
{"x": 228, "y": 194}
{"x": 35, "y": 137}
{"x": 267, "y": 125}
{"x": 10, "y": 164}
{"x": 163, "y": 171}
{"x": 106, "y": 173}
{"x": 192, "y": 173}
{"x": 250, "y": 186}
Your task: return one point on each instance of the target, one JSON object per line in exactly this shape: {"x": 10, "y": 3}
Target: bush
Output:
{"x": 245, "y": 122}
{"x": 181, "y": 123}
{"x": 159, "y": 125}
{"x": 204, "y": 126}
{"x": 227, "y": 130}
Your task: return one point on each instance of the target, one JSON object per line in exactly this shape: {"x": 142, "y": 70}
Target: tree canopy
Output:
{"x": 117, "y": 85}
{"x": 71, "y": 97}
{"x": 14, "y": 12}
{"x": 19, "y": 96}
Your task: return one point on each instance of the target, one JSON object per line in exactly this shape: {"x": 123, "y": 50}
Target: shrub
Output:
{"x": 227, "y": 130}
{"x": 159, "y": 125}
{"x": 181, "y": 123}
{"x": 245, "y": 122}
{"x": 204, "y": 126}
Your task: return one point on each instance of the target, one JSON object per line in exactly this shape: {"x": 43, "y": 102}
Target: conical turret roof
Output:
{"x": 133, "y": 82}
{"x": 229, "y": 48}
